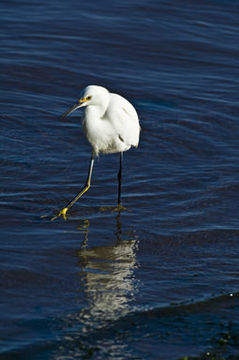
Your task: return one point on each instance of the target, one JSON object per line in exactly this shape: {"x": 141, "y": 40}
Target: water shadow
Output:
{"x": 107, "y": 280}
{"x": 107, "y": 273}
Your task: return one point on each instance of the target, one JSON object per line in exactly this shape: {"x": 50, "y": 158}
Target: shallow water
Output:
{"x": 160, "y": 279}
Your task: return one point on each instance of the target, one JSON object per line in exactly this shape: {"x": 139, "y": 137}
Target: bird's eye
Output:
{"x": 89, "y": 97}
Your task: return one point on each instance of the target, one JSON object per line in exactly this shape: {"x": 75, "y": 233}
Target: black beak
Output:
{"x": 69, "y": 111}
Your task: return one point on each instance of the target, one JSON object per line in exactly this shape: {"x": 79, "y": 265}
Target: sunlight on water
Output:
{"x": 152, "y": 281}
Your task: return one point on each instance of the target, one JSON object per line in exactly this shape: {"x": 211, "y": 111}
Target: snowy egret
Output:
{"x": 111, "y": 125}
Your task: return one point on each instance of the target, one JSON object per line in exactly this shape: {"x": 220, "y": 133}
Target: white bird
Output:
{"x": 111, "y": 125}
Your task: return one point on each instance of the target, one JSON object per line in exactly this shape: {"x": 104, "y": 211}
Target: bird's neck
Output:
{"x": 99, "y": 108}
{"x": 92, "y": 113}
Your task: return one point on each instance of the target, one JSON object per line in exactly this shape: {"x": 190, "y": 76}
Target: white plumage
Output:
{"x": 110, "y": 124}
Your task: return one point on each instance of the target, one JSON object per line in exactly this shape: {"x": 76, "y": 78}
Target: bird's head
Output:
{"x": 91, "y": 95}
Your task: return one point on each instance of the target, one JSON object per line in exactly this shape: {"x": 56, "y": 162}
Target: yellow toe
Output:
{"x": 118, "y": 208}
{"x": 61, "y": 213}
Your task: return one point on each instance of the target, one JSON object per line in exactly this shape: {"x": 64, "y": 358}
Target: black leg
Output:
{"x": 120, "y": 178}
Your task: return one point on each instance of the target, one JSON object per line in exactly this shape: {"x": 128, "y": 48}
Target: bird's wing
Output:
{"x": 124, "y": 119}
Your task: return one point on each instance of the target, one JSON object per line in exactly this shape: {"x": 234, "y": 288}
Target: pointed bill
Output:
{"x": 81, "y": 102}
{"x": 69, "y": 111}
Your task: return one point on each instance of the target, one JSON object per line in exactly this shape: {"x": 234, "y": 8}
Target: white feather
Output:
{"x": 110, "y": 122}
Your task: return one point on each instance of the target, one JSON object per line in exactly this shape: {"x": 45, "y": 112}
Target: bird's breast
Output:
{"x": 102, "y": 136}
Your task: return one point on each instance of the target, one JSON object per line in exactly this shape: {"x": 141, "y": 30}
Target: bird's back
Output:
{"x": 124, "y": 119}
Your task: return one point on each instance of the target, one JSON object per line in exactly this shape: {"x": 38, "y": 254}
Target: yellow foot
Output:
{"x": 118, "y": 208}
{"x": 61, "y": 213}
{"x": 44, "y": 216}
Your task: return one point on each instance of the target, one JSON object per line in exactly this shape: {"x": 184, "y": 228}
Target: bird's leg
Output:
{"x": 119, "y": 206}
{"x": 120, "y": 179}
{"x": 85, "y": 188}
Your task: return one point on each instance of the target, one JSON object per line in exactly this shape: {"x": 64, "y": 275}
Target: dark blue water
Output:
{"x": 160, "y": 279}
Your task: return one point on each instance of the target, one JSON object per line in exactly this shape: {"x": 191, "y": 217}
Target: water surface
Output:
{"x": 159, "y": 280}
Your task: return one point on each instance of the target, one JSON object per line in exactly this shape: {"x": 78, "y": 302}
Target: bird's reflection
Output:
{"x": 107, "y": 273}
{"x": 108, "y": 282}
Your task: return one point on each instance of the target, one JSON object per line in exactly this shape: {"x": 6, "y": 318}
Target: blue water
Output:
{"x": 160, "y": 279}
